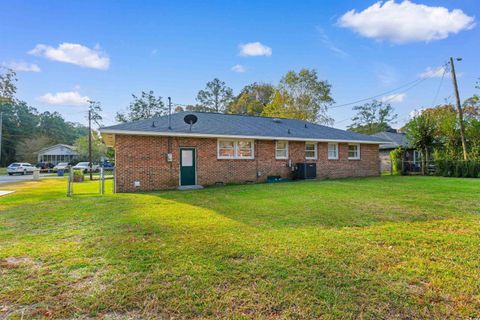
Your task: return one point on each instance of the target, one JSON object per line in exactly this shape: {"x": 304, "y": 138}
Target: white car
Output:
{"x": 85, "y": 167}
{"x": 20, "y": 167}
{"x": 60, "y": 166}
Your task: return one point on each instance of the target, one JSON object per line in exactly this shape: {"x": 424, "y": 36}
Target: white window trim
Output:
{"x": 315, "y": 150}
{"x": 286, "y": 148}
{"x": 235, "y": 149}
{"x": 416, "y": 157}
{"x": 328, "y": 151}
{"x": 358, "y": 148}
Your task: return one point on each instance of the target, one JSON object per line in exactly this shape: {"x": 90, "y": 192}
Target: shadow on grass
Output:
{"x": 241, "y": 250}
{"x": 329, "y": 203}
{"x": 193, "y": 262}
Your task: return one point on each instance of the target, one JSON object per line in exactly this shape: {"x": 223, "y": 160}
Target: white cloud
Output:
{"x": 22, "y": 66}
{"x": 437, "y": 72}
{"x": 74, "y": 53}
{"x": 398, "y": 97}
{"x": 239, "y": 68}
{"x": 254, "y": 49}
{"x": 406, "y": 22}
{"x": 69, "y": 98}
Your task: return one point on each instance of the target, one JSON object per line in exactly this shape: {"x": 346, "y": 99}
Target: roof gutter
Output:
{"x": 206, "y": 135}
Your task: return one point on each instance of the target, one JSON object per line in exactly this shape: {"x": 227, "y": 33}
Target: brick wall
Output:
{"x": 144, "y": 159}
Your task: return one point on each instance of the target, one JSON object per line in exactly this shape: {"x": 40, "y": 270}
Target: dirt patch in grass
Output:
{"x": 18, "y": 262}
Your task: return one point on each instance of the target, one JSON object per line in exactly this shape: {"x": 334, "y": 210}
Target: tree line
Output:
{"x": 435, "y": 131}
{"x": 26, "y": 130}
{"x": 299, "y": 95}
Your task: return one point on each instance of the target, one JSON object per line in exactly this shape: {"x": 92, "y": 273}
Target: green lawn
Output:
{"x": 374, "y": 248}
{"x": 3, "y": 171}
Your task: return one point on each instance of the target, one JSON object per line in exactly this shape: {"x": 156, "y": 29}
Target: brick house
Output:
{"x": 163, "y": 152}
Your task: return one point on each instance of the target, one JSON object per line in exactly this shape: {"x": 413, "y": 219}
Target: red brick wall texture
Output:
{"x": 144, "y": 159}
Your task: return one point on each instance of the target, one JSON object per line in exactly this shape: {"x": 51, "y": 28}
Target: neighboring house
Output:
{"x": 57, "y": 153}
{"x": 222, "y": 148}
{"x": 397, "y": 140}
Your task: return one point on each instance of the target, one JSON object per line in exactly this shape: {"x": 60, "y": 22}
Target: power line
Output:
{"x": 439, "y": 86}
{"x": 376, "y": 96}
{"x": 413, "y": 85}
{"x": 409, "y": 86}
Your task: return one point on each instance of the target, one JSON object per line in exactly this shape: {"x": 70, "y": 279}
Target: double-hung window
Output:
{"x": 245, "y": 149}
{"x": 311, "y": 150}
{"x": 281, "y": 150}
{"x": 353, "y": 151}
{"x": 333, "y": 151}
{"x": 235, "y": 149}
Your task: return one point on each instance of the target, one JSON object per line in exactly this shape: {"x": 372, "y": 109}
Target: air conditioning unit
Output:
{"x": 306, "y": 171}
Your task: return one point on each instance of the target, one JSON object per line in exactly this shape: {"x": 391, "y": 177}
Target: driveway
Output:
{"x": 15, "y": 178}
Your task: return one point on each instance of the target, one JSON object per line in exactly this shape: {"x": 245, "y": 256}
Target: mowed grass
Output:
{"x": 373, "y": 248}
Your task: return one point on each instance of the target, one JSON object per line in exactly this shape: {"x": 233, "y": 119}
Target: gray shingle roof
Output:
{"x": 396, "y": 140}
{"x": 219, "y": 124}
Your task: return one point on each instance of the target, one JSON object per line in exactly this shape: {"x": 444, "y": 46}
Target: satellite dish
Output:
{"x": 190, "y": 119}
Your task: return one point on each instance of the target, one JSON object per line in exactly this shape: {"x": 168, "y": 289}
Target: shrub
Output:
{"x": 473, "y": 169}
{"x": 458, "y": 168}
{"x": 396, "y": 157}
{"x": 441, "y": 166}
{"x": 78, "y": 175}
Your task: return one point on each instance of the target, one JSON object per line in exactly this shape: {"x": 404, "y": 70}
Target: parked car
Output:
{"x": 44, "y": 165}
{"x": 85, "y": 167}
{"x": 20, "y": 167}
{"x": 61, "y": 166}
{"x": 106, "y": 164}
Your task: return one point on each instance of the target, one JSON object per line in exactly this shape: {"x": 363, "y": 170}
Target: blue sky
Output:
{"x": 116, "y": 48}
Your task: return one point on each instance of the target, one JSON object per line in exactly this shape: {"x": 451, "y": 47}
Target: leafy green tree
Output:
{"x": 420, "y": 132}
{"x": 144, "y": 107}
{"x": 99, "y": 149}
{"x": 52, "y": 125}
{"x": 252, "y": 99}
{"x": 215, "y": 97}
{"x": 447, "y": 132}
{"x": 8, "y": 87}
{"x": 373, "y": 117}
{"x": 301, "y": 96}
{"x": 19, "y": 122}
{"x": 281, "y": 107}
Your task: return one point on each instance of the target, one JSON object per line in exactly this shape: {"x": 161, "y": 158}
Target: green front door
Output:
{"x": 187, "y": 167}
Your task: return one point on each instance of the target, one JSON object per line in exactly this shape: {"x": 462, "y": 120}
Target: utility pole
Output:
{"x": 459, "y": 108}
{"x": 90, "y": 141}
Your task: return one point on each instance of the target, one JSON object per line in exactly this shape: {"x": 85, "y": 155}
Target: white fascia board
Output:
{"x": 206, "y": 135}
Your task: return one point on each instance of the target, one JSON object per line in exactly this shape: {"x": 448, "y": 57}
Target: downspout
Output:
{"x": 255, "y": 154}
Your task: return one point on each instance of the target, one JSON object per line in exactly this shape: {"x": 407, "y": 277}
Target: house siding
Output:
{"x": 385, "y": 162}
{"x": 144, "y": 159}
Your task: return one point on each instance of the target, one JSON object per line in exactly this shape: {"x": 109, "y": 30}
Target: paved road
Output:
{"x": 14, "y": 178}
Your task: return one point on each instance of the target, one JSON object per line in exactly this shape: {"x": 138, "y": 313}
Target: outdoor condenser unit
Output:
{"x": 306, "y": 171}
